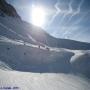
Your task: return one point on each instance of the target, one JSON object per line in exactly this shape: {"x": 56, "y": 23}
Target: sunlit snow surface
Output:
{"x": 37, "y": 81}
{"x": 57, "y": 69}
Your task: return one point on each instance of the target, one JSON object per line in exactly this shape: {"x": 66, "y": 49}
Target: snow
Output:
{"x": 42, "y": 69}
{"x": 37, "y": 81}
{"x": 81, "y": 62}
{"x": 28, "y": 58}
{"x": 4, "y": 66}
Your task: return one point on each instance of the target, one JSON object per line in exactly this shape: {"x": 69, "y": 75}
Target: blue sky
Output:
{"x": 65, "y": 18}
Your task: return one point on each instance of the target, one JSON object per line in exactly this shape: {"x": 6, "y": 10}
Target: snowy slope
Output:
{"x": 37, "y": 81}
{"x": 29, "y": 57}
{"x": 16, "y": 28}
{"x": 19, "y": 51}
{"x": 47, "y": 63}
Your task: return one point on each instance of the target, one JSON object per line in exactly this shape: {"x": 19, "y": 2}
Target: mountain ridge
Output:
{"x": 33, "y": 34}
{"x": 8, "y": 9}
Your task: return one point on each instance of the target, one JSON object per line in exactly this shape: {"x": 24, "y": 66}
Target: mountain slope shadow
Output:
{"x": 29, "y": 59}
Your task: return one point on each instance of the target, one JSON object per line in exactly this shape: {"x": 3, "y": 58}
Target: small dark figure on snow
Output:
{"x": 2, "y": 15}
{"x": 24, "y": 53}
{"x": 47, "y": 48}
{"x": 24, "y": 43}
{"x": 8, "y": 48}
{"x": 39, "y": 46}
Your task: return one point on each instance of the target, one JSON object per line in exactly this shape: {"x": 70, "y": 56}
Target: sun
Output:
{"x": 38, "y": 16}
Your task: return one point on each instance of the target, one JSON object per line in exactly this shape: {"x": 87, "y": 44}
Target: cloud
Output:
{"x": 58, "y": 10}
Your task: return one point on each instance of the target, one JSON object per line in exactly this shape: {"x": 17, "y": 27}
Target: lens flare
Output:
{"x": 38, "y": 16}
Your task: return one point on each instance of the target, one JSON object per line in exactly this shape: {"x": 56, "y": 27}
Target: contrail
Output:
{"x": 69, "y": 12}
{"x": 81, "y": 18}
{"x": 78, "y": 10}
{"x": 67, "y": 32}
{"x": 58, "y": 10}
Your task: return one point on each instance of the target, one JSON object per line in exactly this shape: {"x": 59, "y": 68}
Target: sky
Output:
{"x": 69, "y": 19}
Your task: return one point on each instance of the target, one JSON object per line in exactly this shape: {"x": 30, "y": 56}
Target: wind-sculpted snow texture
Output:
{"x": 81, "y": 62}
{"x": 37, "y": 81}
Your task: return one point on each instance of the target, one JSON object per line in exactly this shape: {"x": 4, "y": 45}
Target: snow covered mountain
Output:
{"x": 46, "y": 62}
{"x": 30, "y": 33}
{"x": 8, "y": 9}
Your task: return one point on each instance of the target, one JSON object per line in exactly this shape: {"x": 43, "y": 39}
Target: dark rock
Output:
{"x": 8, "y": 9}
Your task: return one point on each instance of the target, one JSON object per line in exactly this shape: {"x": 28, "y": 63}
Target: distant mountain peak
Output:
{"x": 8, "y": 9}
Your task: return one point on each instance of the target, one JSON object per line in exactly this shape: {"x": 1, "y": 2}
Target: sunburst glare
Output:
{"x": 38, "y": 16}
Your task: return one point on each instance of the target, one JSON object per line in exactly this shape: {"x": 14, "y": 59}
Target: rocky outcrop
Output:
{"x": 8, "y": 9}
